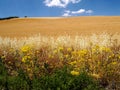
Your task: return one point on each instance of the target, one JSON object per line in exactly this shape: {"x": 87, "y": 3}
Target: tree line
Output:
{"x": 7, "y": 18}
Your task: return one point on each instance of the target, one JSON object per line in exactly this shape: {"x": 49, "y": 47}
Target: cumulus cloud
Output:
{"x": 89, "y": 11}
{"x": 78, "y": 12}
{"x": 68, "y": 13}
{"x": 59, "y": 3}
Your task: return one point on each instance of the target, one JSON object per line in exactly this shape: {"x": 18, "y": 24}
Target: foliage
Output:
{"x": 7, "y": 18}
{"x": 59, "y": 67}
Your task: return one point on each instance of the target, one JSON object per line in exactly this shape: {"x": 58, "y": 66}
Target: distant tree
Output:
{"x": 11, "y": 17}
{"x": 25, "y": 16}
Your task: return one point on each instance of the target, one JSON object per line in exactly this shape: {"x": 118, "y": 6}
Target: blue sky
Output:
{"x": 57, "y": 8}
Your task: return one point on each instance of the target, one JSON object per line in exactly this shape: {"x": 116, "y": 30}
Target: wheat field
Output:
{"x": 80, "y": 49}
{"x": 59, "y": 26}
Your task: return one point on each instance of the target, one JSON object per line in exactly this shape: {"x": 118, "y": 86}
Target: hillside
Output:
{"x": 59, "y": 26}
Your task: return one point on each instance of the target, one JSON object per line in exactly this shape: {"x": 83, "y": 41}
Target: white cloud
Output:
{"x": 68, "y": 13}
{"x": 78, "y": 12}
{"x": 59, "y": 3}
{"x": 89, "y": 11}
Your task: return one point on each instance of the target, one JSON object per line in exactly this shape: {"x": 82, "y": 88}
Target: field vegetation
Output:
{"x": 72, "y": 26}
{"x": 77, "y": 53}
{"x": 7, "y": 18}
{"x": 60, "y": 63}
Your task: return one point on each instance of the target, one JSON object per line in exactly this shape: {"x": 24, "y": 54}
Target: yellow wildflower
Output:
{"x": 93, "y": 50}
{"x": 76, "y": 73}
{"x": 73, "y": 63}
{"x": 119, "y": 56}
{"x": 96, "y": 46}
{"x": 25, "y": 49}
{"x": 43, "y": 66}
{"x": 55, "y": 51}
{"x": 2, "y": 57}
{"x": 96, "y": 75}
{"x": 51, "y": 56}
{"x": 79, "y": 61}
{"x": 28, "y": 69}
{"x": 37, "y": 51}
{"x": 74, "y": 53}
{"x": 9, "y": 62}
{"x": 77, "y": 68}
{"x": 102, "y": 48}
{"x": 66, "y": 55}
{"x": 106, "y": 49}
{"x": 60, "y": 48}
{"x": 99, "y": 62}
{"x": 25, "y": 58}
{"x": 109, "y": 57}
{"x": 28, "y": 57}
{"x": 114, "y": 63}
{"x": 82, "y": 52}
{"x": 69, "y": 49}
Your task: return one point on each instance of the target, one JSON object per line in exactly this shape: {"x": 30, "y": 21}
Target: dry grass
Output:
{"x": 98, "y": 55}
{"x": 77, "y": 42}
{"x": 59, "y": 26}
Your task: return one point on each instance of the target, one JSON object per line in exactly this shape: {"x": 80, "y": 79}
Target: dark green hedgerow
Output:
{"x": 61, "y": 79}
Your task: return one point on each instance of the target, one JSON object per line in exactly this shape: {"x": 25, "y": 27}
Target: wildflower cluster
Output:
{"x": 100, "y": 62}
